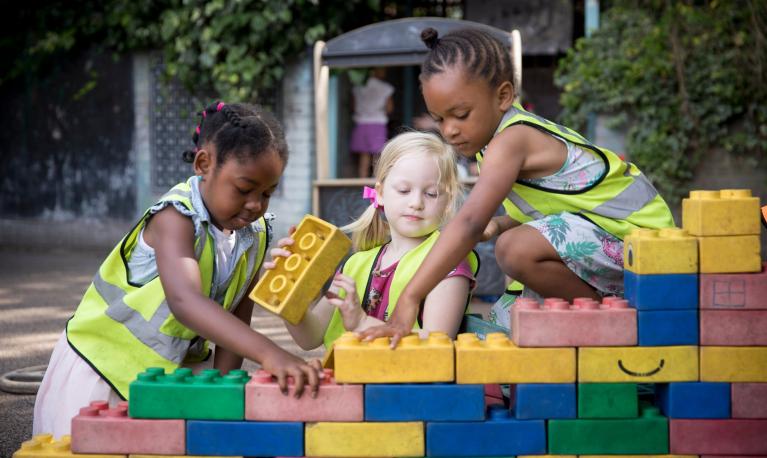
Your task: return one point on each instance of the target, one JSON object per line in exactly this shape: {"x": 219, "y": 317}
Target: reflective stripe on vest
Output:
{"x": 360, "y": 267}
{"x": 621, "y": 200}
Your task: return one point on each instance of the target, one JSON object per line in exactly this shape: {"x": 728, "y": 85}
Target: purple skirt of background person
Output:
{"x": 368, "y": 138}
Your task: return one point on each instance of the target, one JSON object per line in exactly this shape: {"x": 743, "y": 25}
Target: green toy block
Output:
{"x": 607, "y": 400}
{"x": 205, "y": 396}
{"x": 645, "y": 435}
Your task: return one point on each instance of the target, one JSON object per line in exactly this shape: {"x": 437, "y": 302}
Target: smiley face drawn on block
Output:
{"x": 641, "y": 374}
{"x": 660, "y": 364}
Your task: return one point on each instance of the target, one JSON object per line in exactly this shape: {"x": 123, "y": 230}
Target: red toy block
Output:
{"x": 718, "y": 437}
{"x": 733, "y": 327}
{"x": 734, "y": 291}
{"x": 101, "y": 429}
{"x": 749, "y": 400}
{"x": 334, "y": 402}
{"x": 585, "y": 323}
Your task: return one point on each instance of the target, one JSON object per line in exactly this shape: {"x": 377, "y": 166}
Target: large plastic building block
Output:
{"x": 245, "y": 438}
{"x": 643, "y": 435}
{"x": 499, "y": 435}
{"x": 585, "y": 323}
{"x": 181, "y": 394}
{"x": 100, "y": 429}
{"x": 733, "y": 364}
{"x": 334, "y": 402}
{"x": 43, "y": 446}
{"x": 608, "y": 400}
{"x": 289, "y": 288}
{"x": 730, "y": 254}
{"x": 668, "y": 327}
{"x": 749, "y": 400}
{"x": 371, "y": 439}
{"x": 734, "y": 291}
{"x": 718, "y": 437}
{"x": 424, "y": 402}
{"x": 694, "y": 399}
{"x": 638, "y": 364}
{"x": 725, "y": 212}
{"x": 664, "y": 251}
{"x": 497, "y": 360}
{"x": 661, "y": 291}
{"x": 643, "y": 456}
{"x": 733, "y": 327}
{"x": 414, "y": 360}
{"x": 169, "y": 456}
{"x": 541, "y": 401}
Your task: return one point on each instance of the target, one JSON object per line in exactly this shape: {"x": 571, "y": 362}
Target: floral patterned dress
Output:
{"x": 594, "y": 254}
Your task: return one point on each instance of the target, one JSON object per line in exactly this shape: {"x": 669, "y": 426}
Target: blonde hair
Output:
{"x": 371, "y": 229}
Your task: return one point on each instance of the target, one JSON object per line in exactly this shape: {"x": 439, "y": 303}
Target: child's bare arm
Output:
{"x": 444, "y": 307}
{"x": 224, "y": 359}
{"x": 173, "y": 238}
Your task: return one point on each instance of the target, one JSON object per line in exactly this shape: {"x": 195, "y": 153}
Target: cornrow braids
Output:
{"x": 242, "y": 130}
{"x": 480, "y": 54}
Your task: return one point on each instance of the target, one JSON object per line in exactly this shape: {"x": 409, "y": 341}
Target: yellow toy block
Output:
{"x": 364, "y": 439}
{"x": 43, "y": 446}
{"x": 497, "y": 360}
{"x": 637, "y": 456}
{"x": 638, "y": 364}
{"x": 665, "y": 251}
{"x": 730, "y": 254}
{"x": 725, "y": 212}
{"x": 414, "y": 360}
{"x": 733, "y": 364}
{"x": 289, "y": 288}
{"x": 171, "y": 456}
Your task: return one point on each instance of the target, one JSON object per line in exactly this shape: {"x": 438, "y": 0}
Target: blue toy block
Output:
{"x": 661, "y": 291}
{"x": 244, "y": 438}
{"x": 499, "y": 435}
{"x": 424, "y": 402}
{"x": 545, "y": 400}
{"x": 667, "y": 327}
{"x": 694, "y": 399}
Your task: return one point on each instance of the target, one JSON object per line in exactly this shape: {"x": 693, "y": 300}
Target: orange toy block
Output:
{"x": 725, "y": 212}
{"x": 100, "y": 429}
{"x": 289, "y": 288}
{"x": 585, "y": 323}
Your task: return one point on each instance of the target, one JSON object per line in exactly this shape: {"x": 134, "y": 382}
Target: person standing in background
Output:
{"x": 372, "y": 104}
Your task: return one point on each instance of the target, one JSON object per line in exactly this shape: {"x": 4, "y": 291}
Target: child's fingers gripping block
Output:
{"x": 289, "y": 288}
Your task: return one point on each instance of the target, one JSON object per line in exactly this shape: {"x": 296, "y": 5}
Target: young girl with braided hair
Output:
{"x": 569, "y": 203}
{"x": 180, "y": 277}
{"x": 415, "y": 194}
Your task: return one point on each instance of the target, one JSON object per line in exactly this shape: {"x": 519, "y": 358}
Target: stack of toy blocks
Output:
{"x": 726, "y": 412}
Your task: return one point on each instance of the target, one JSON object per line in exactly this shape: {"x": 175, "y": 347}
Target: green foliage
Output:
{"x": 681, "y": 78}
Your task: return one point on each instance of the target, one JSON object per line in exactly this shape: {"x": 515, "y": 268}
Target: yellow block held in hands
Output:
{"x": 665, "y": 251}
{"x": 497, "y": 360}
{"x": 725, "y": 212}
{"x": 364, "y": 439}
{"x": 733, "y": 364}
{"x": 289, "y": 288}
{"x": 638, "y": 364}
{"x": 414, "y": 360}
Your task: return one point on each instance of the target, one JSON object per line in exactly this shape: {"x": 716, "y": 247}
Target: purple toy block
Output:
{"x": 718, "y": 437}
{"x": 734, "y": 291}
{"x": 334, "y": 402}
{"x": 749, "y": 400}
{"x": 585, "y": 323}
{"x": 100, "y": 429}
{"x": 733, "y": 327}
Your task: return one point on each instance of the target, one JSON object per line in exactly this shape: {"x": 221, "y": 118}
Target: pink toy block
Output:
{"x": 718, "y": 437}
{"x": 749, "y": 400}
{"x": 334, "y": 402}
{"x": 733, "y": 327}
{"x": 734, "y": 291}
{"x": 101, "y": 429}
{"x": 585, "y": 323}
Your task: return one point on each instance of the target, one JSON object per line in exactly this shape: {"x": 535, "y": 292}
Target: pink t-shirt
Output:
{"x": 378, "y": 293}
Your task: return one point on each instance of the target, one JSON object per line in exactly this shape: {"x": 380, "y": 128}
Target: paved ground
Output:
{"x": 38, "y": 293}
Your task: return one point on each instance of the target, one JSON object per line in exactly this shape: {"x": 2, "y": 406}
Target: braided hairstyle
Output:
{"x": 238, "y": 129}
{"x": 480, "y": 54}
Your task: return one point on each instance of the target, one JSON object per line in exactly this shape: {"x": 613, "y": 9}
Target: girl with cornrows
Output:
{"x": 179, "y": 278}
{"x": 569, "y": 203}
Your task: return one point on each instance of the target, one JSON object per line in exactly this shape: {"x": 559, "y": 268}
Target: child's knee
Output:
{"x": 512, "y": 254}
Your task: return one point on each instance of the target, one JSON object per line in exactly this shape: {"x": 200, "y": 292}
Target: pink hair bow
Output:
{"x": 370, "y": 194}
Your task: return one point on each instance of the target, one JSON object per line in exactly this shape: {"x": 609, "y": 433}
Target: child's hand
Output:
{"x": 491, "y": 230}
{"x": 349, "y": 305}
{"x": 279, "y": 252}
{"x": 283, "y": 365}
{"x": 400, "y": 324}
